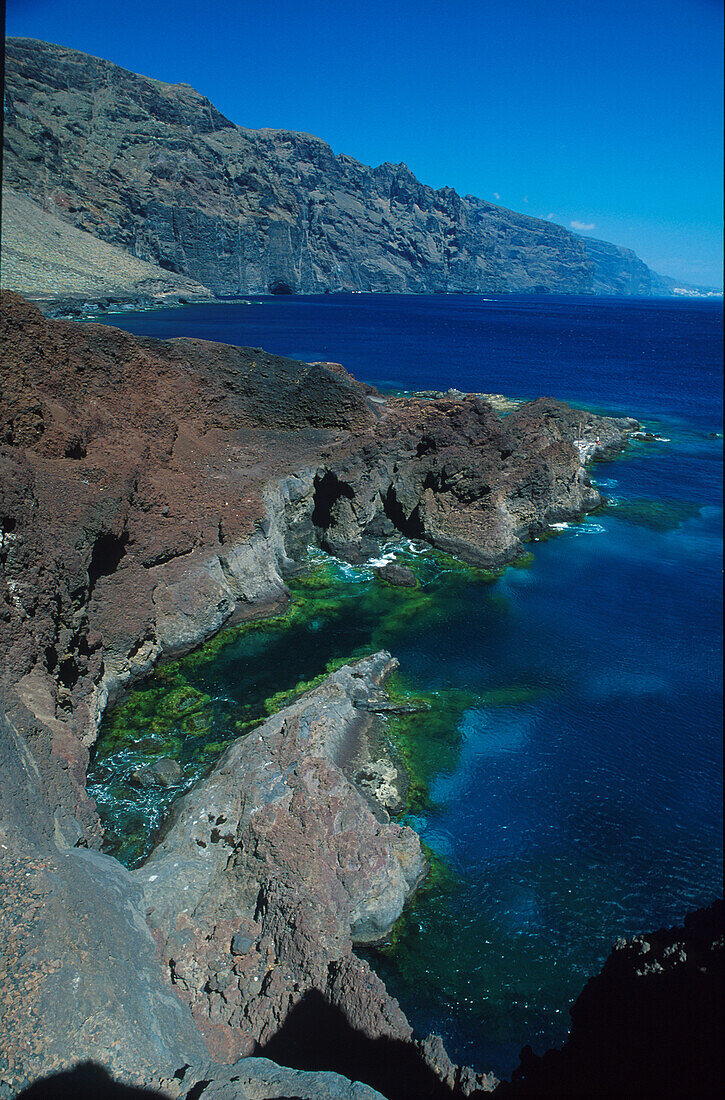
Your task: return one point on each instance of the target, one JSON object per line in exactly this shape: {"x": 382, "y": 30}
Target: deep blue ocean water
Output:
{"x": 587, "y": 803}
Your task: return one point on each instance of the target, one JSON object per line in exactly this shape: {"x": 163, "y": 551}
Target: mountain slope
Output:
{"x": 45, "y": 257}
{"x": 155, "y": 169}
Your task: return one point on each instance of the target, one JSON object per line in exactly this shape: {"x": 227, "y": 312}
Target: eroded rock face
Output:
{"x": 155, "y": 169}
{"x": 151, "y": 489}
{"x": 273, "y": 866}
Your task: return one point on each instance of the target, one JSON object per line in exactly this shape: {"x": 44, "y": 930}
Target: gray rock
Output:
{"x": 382, "y": 781}
{"x": 241, "y": 944}
{"x": 399, "y": 575}
{"x": 162, "y": 773}
{"x": 301, "y": 870}
{"x": 261, "y": 1079}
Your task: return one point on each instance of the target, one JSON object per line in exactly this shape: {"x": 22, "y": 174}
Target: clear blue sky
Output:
{"x": 602, "y": 115}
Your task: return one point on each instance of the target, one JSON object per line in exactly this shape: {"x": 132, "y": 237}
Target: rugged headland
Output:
{"x": 151, "y": 491}
{"x": 156, "y": 171}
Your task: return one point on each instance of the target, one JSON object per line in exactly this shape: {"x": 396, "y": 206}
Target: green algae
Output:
{"x": 524, "y": 561}
{"x": 193, "y": 707}
{"x": 654, "y": 515}
{"x": 488, "y": 952}
{"x": 428, "y": 742}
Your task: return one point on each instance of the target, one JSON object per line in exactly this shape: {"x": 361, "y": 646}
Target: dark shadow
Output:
{"x": 108, "y": 550}
{"x": 645, "y": 1027}
{"x": 328, "y": 490}
{"x": 86, "y": 1081}
{"x": 411, "y": 526}
{"x": 318, "y": 1036}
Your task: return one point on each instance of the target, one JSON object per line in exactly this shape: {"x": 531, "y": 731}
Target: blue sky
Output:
{"x": 605, "y": 117}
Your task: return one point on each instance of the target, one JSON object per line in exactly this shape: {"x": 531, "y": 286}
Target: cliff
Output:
{"x": 649, "y": 1025}
{"x": 156, "y": 170}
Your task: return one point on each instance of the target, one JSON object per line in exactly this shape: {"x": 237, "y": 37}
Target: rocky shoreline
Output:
{"x": 151, "y": 491}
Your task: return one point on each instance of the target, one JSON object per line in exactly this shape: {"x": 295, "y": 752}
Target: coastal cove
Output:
{"x": 568, "y": 775}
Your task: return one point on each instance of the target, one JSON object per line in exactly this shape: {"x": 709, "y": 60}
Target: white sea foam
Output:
{"x": 376, "y": 563}
{"x": 563, "y": 526}
{"x": 590, "y": 529}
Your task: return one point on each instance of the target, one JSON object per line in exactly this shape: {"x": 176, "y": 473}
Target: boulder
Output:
{"x": 399, "y": 575}
{"x": 163, "y": 773}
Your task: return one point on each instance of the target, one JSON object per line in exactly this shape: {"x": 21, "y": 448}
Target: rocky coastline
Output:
{"x": 152, "y": 490}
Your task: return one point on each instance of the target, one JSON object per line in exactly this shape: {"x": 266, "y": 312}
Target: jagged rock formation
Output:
{"x": 46, "y": 257}
{"x": 149, "y": 490}
{"x": 649, "y": 1025}
{"x": 156, "y": 170}
{"x": 272, "y": 867}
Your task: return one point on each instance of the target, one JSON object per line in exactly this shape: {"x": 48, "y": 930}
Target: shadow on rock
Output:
{"x": 649, "y": 1025}
{"x": 316, "y": 1035}
{"x": 86, "y": 1081}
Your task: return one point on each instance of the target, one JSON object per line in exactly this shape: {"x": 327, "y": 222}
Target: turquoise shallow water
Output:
{"x": 570, "y": 779}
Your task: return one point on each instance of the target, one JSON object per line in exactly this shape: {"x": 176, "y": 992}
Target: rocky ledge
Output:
{"x": 150, "y": 491}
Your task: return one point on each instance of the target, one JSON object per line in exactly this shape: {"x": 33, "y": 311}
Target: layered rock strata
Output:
{"x": 149, "y": 492}
{"x": 155, "y": 169}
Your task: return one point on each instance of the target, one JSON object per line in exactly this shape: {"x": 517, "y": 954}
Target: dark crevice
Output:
{"x": 164, "y": 557}
{"x": 409, "y": 525}
{"x": 75, "y": 449}
{"x": 328, "y": 490}
{"x": 108, "y": 550}
{"x": 196, "y": 1090}
{"x": 68, "y": 672}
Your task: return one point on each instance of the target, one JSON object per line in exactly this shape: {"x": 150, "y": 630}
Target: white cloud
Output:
{"x": 526, "y": 198}
{"x": 549, "y": 217}
{"x": 582, "y": 227}
{"x": 496, "y": 195}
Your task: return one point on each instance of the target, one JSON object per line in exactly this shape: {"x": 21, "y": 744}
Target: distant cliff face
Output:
{"x": 155, "y": 169}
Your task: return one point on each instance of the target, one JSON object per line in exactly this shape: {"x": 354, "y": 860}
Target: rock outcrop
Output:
{"x": 149, "y": 491}
{"x": 272, "y": 867}
{"x": 155, "y": 169}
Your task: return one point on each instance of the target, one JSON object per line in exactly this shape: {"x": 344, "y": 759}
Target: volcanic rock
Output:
{"x": 149, "y": 491}
{"x": 278, "y": 838}
{"x": 162, "y": 773}
{"x": 651, "y": 1024}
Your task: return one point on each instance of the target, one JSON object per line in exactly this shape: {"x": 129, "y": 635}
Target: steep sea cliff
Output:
{"x": 158, "y": 172}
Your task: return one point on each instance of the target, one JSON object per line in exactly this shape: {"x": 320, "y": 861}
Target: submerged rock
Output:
{"x": 163, "y": 773}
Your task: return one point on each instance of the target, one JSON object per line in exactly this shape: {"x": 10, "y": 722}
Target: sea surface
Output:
{"x": 568, "y": 778}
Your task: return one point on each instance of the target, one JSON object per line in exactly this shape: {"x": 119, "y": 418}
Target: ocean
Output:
{"x": 569, "y": 773}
